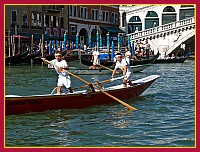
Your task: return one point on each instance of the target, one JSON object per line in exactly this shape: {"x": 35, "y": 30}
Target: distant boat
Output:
{"x": 175, "y": 60}
{"x": 86, "y": 60}
{"x": 145, "y": 60}
{"x": 71, "y": 55}
{"x": 38, "y": 60}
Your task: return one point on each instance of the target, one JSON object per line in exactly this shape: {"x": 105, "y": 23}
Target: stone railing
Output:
{"x": 163, "y": 29}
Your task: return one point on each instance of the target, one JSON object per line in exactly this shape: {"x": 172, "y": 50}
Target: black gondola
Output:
{"x": 16, "y": 59}
{"x": 38, "y": 60}
{"x": 175, "y": 60}
{"x": 29, "y": 58}
{"x": 86, "y": 60}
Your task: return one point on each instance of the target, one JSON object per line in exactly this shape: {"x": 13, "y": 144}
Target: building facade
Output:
{"x": 87, "y": 20}
{"x": 25, "y": 20}
{"x": 55, "y": 20}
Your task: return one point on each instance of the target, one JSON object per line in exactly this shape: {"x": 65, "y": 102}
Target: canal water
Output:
{"x": 165, "y": 115}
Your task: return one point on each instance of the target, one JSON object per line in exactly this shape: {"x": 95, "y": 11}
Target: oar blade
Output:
{"x": 120, "y": 101}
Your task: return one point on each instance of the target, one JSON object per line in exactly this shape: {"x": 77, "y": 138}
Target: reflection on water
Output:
{"x": 165, "y": 115}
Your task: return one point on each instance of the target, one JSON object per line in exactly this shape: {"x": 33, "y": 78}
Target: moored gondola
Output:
{"x": 175, "y": 60}
{"x": 16, "y": 59}
{"x": 29, "y": 58}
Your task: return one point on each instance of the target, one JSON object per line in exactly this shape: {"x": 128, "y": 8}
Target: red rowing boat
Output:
{"x": 15, "y": 105}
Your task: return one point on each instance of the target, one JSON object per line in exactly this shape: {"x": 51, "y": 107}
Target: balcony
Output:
{"x": 52, "y": 8}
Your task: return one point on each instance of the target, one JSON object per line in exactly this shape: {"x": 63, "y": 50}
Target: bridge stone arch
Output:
{"x": 185, "y": 35}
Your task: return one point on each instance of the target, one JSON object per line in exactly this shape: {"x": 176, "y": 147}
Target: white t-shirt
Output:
{"x": 62, "y": 64}
{"x": 128, "y": 56}
{"x": 96, "y": 57}
{"x": 122, "y": 65}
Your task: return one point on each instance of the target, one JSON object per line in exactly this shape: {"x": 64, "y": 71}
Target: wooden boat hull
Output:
{"x": 102, "y": 71}
{"x": 145, "y": 61}
{"x": 38, "y": 60}
{"x": 24, "y": 104}
{"x": 72, "y": 55}
{"x": 179, "y": 60}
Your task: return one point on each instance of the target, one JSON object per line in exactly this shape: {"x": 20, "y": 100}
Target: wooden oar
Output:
{"x": 81, "y": 79}
{"x": 120, "y": 101}
{"x": 111, "y": 96}
{"x": 108, "y": 68}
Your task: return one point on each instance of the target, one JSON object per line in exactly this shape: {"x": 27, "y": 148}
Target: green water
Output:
{"x": 165, "y": 116}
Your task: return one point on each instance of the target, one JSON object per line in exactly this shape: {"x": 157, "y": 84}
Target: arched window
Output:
{"x": 186, "y": 11}
{"x": 134, "y": 24}
{"x": 124, "y": 19}
{"x": 151, "y": 14}
{"x": 169, "y": 9}
{"x": 135, "y": 19}
{"x": 83, "y": 36}
{"x": 168, "y": 15}
{"x": 151, "y": 19}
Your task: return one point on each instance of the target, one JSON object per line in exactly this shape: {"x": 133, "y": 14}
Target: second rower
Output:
{"x": 125, "y": 67}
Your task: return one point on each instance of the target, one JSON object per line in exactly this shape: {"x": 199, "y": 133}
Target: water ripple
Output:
{"x": 165, "y": 116}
